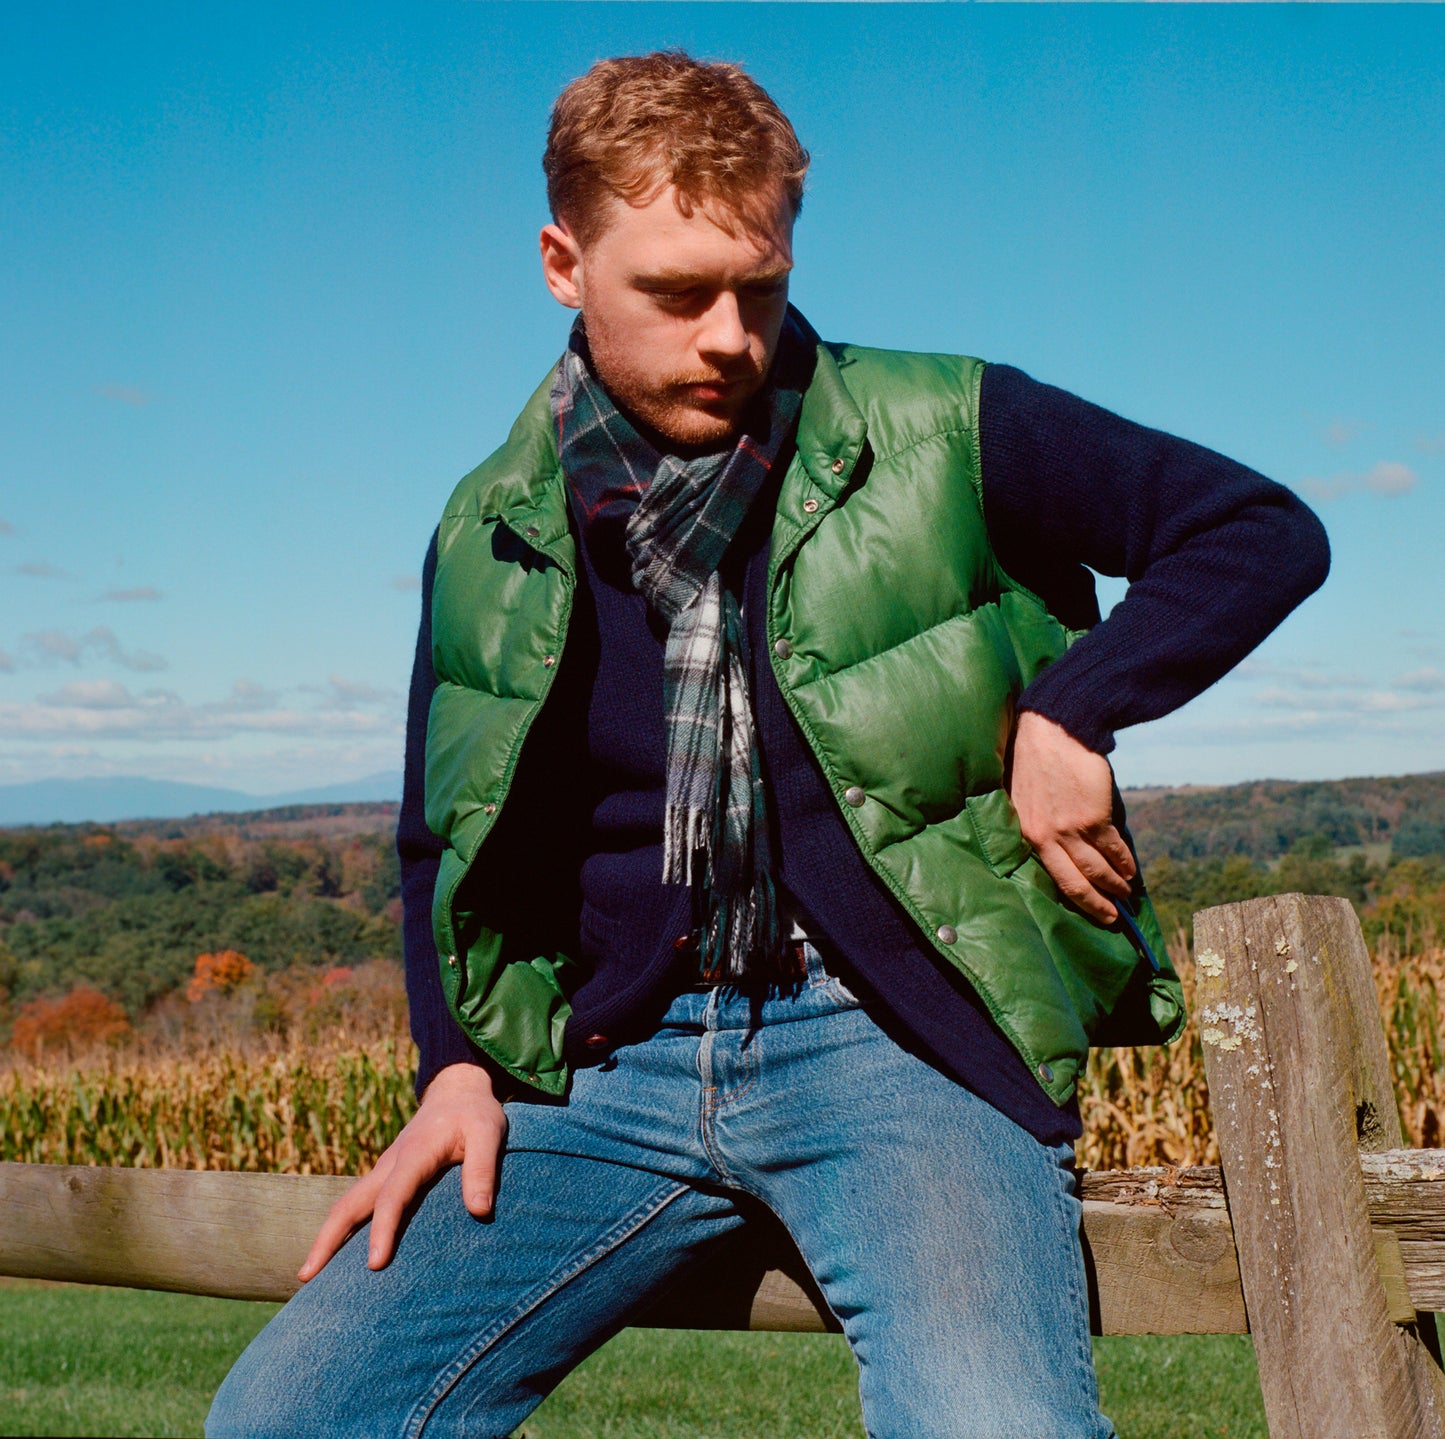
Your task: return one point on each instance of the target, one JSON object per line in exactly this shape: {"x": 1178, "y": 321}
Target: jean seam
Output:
{"x": 1077, "y": 1297}
{"x": 620, "y": 1232}
{"x": 754, "y": 1063}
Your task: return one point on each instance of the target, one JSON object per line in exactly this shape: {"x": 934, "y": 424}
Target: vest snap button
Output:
{"x": 1046, "y": 1073}
{"x": 783, "y": 650}
{"x": 548, "y": 661}
{"x": 810, "y": 507}
{"x": 452, "y": 961}
{"x": 837, "y": 467}
{"x": 533, "y": 532}
{"x": 854, "y": 796}
{"x": 947, "y": 934}
{"x": 489, "y": 809}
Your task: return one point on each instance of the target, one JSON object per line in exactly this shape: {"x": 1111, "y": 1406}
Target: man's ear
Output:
{"x": 562, "y": 265}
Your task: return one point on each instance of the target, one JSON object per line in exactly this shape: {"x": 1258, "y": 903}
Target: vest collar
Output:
{"x": 531, "y": 496}
{"x": 831, "y": 427}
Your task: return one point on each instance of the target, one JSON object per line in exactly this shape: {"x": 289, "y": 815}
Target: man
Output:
{"x": 766, "y": 834}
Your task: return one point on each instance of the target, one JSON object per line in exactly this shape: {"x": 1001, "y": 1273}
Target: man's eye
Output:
{"x": 678, "y": 299}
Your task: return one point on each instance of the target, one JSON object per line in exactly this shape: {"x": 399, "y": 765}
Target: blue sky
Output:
{"x": 270, "y": 286}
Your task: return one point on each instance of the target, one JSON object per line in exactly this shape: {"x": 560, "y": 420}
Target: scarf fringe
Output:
{"x": 684, "y": 832}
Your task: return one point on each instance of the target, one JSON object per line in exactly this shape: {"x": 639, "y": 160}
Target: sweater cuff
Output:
{"x": 445, "y": 1044}
{"x": 1080, "y": 721}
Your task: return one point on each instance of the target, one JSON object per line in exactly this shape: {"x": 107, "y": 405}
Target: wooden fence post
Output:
{"x": 1298, "y": 1074}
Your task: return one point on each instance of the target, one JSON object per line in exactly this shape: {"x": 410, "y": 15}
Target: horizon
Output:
{"x": 97, "y": 790}
{"x": 274, "y": 280}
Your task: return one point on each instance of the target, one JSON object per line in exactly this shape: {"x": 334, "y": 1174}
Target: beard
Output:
{"x": 672, "y": 409}
{"x": 676, "y": 413}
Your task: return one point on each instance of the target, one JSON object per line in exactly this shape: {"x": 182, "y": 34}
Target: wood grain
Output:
{"x": 1279, "y": 1011}
{"x": 1158, "y": 1242}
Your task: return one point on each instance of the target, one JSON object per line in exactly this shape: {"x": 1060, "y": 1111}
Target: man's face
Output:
{"x": 682, "y": 317}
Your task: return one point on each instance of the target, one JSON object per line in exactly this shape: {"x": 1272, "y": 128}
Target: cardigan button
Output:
{"x": 1046, "y": 1073}
{"x": 853, "y": 796}
{"x": 596, "y": 1041}
{"x": 783, "y": 649}
{"x": 947, "y": 934}
{"x": 683, "y": 943}
{"x": 837, "y": 467}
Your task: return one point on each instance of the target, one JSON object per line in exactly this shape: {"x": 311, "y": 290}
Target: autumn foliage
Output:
{"x": 83, "y": 1019}
{"x": 218, "y": 973}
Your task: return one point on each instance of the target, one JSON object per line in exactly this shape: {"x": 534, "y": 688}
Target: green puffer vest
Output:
{"x": 898, "y": 644}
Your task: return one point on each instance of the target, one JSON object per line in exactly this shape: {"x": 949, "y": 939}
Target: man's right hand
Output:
{"x": 459, "y": 1122}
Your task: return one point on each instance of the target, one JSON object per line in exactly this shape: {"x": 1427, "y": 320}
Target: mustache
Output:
{"x": 750, "y": 372}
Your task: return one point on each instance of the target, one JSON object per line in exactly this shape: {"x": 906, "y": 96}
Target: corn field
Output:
{"x": 332, "y": 1110}
{"x": 296, "y": 1112}
{"x": 1151, "y": 1106}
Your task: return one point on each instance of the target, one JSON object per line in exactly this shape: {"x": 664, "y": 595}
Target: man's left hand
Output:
{"x": 1064, "y": 795}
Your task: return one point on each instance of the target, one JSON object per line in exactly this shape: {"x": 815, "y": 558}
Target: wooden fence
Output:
{"x": 1321, "y": 1236}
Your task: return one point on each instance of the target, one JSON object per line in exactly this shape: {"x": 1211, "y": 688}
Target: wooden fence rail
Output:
{"x": 1322, "y": 1236}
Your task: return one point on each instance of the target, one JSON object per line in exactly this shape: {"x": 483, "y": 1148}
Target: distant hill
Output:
{"x": 1403, "y": 815}
{"x": 105, "y": 801}
{"x": 1263, "y": 819}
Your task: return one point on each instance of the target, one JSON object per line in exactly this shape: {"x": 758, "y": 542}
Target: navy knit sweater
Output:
{"x": 1216, "y": 556}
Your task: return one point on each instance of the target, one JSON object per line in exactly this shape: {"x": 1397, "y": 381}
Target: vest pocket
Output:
{"x": 995, "y": 824}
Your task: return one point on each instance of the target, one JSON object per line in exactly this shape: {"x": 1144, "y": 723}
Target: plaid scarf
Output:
{"x": 715, "y": 834}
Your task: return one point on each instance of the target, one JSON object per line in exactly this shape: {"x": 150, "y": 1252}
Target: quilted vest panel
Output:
{"x": 900, "y": 648}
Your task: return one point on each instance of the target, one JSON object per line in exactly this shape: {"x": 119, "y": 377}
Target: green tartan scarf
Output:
{"x": 715, "y": 834}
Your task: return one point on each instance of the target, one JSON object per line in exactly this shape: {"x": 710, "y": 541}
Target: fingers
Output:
{"x": 1097, "y": 858}
{"x": 459, "y": 1120}
{"x": 1084, "y": 873}
{"x": 1110, "y": 844}
{"x": 348, "y": 1214}
{"x": 479, "y": 1167}
{"x": 409, "y": 1175}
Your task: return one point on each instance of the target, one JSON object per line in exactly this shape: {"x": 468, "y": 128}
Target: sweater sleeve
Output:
{"x": 1215, "y": 554}
{"x": 439, "y": 1038}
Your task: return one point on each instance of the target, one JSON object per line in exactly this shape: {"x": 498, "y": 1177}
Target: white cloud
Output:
{"x": 91, "y": 694}
{"x": 7, "y": 663}
{"x": 126, "y": 394}
{"x": 1305, "y": 676}
{"x": 406, "y": 583}
{"x": 139, "y": 592}
{"x": 1340, "y": 431}
{"x": 1388, "y": 478}
{"x": 246, "y": 697}
{"x": 99, "y": 642}
{"x": 1401, "y": 698}
{"x": 6, "y": 528}
{"x": 1428, "y": 681}
{"x": 103, "y": 710}
{"x": 41, "y": 570}
{"x": 344, "y": 694}
{"x": 1431, "y": 444}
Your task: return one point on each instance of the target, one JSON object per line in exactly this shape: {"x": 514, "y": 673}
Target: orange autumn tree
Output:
{"x": 218, "y": 973}
{"x": 83, "y": 1018}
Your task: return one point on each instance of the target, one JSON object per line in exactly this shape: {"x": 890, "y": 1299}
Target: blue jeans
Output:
{"x": 944, "y": 1237}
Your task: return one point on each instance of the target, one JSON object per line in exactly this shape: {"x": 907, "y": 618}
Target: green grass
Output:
{"x": 76, "y": 1360}
{"x": 82, "y": 1360}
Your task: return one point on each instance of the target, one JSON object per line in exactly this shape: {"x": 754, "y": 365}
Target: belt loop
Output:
{"x": 812, "y": 962}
